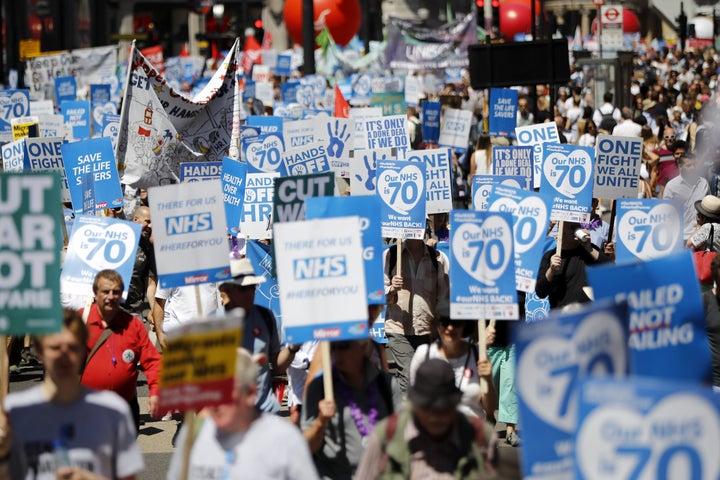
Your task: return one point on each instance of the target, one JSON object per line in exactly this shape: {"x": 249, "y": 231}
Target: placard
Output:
{"x": 401, "y": 186}
{"x": 438, "y": 177}
{"x": 514, "y": 161}
{"x": 503, "y": 108}
{"x": 455, "y": 128}
{"x": 567, "y": 178}
{"x": 647, "y": 228}
{"x": 535, "y": 136}
{"x": 257, "y": 205}
{"x": 617, "y": 166}
{"x": 45, "y": 155}
{"x": 199, "y": 171}
{"x": 92, "y": 156}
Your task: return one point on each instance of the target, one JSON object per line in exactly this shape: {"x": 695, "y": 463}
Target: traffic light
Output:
{"x": 480, "y": 4}
{"x": 259, "y": 31}
{"x": 682, "y": 28}
{"x": 495, "y": 13}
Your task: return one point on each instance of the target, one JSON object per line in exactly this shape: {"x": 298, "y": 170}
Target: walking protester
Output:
{"x": 627, "y": 127}
{"x": 178, "y": 305}
{"x": 412, "y": 297}
{"x": 667, "y": 161}
{"x": 589, "y": 136}
{"x": 452, "y": 345}
{"x": 687, "y": 188}
{"x": 711, "y": 299}
{"x": 260, "y": 330}
{"x": 481, "y": 158}
{"x": 338, "y": 430}
{"x": 61, "y": 429}
{"x": 598, "y": 228}
{"x": 501, "y": 352}
{"x": 117, "y": 344}
{"x": 561, "y": 275}
{"x": 236, "y": 440}
{"x": 607, "y": 111}
{"x": 430, "y": 438}
{"x": 143, "y": 282}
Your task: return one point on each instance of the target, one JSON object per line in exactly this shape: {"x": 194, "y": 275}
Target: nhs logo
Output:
{"x": 319, "y": 267}
{"x": 195, "y": 222}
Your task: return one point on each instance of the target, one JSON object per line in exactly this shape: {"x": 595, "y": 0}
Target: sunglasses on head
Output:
{"x": 340, "y": 346}
{"x": 445, "y": 322}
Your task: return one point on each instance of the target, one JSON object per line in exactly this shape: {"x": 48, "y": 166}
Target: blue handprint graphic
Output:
{"x": 371, "y": 168}
{"x": 337, "y": 139}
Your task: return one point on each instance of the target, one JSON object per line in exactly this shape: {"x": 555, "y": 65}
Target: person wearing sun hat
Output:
{"x": 708, "y": 219}
{"x": 430, "y": 438}
{"x": 260, "y": 331}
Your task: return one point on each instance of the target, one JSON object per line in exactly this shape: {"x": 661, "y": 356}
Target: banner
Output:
{"x": 503, "y": 108}
{"x": 45, "y": 155}
{"x": 567, "y": 178}
{"x": 667, "y": 322}
{"x": 97, "y": 243}
{"x": 367, "y": 209}
{"x": 455, "y": 128}
{"x": 643, "y": 428}
{"x": 535, "y": 136}
{"x": 189, "y": 218}
{"x": 321, "y": 276}
{"x": 438, "y": 177}
{"x": 531, "y": 217}
{"x": 482, "y": 273}
{"x": 233, "y": 185}
{"x": 401, "y": 186}
{"x": 94, "y": 156}
{"x": 97, "y": 65}
{"x": 41, "y": 72}
{"x": 647, "y": 228}
{"x": 514, "y": 161}
{"x": 617, "y": 166}
{"x": 198, "y": 367}
{"x": 552, "y": 355}
{"x": 411, "y": 46}
{"x": 30, "y": 246}
{"x": 159, "y": 129}
{"x": 267, "y": 293}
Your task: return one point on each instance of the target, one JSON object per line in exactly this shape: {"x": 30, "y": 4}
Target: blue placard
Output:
{"x": 233, "y": 184}
{"x": 45, "y": 155}
{"x": 76, "y": 114}
{"x": 266, "y": 294}
{"x": 438, "y": 177}
{"x": 535, "y": 136}
{"x": 531, "y": 217}
{"x": 482, "y": 266}
{"x": 367, "y": 207}
{"x": 13, "y": 104}
{"x": 514, "y": 161}
{"x": 283, "y": 65}
{"x": 401, "y": 186}
{"x": 249, "y": 91}
{"x": 551, "y": 356}
{"x": 503, "y": 105}
{"x": 65, "y": 89}
{"x": 647, "y": 228}
{"x": 290, "y": 91}
{"x": 199, "y": 171}
{"x": 93, "y": 156}
{"x": 264, "y": 152}
{"x": 99, "y": 243}
{"x": 88, "y": 194}
{"x": 311, "y": 158}
{"x": 15, "y": 157}
{"x": 617, "y": 166}
{"x": 266, "y": 123}
{"x": 101, "y": 104}
{"x": 111, "y": 128}
{"x": 644, "y": 428}
{"x": 481, "y": 185}
{"x": 567, "y": 178}
{"x": 667, "y": 322}
{"x": 431, "y": 122}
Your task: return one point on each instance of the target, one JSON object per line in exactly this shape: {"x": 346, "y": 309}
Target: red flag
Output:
{"x": 342, "y": 107}
{"x": 267, "y": 40}
{"x": 252, "y": 53}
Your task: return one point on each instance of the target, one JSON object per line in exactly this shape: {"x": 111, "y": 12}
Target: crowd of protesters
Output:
{"x": 423, "y": 406}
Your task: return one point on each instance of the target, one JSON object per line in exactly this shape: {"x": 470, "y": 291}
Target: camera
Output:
{"x": 582, "y": 235}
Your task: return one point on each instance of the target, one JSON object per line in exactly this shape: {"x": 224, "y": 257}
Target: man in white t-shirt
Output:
{"x": 178, "y": 305}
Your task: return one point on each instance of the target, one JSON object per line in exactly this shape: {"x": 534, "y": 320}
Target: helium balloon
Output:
{"x": 342, "y": 17}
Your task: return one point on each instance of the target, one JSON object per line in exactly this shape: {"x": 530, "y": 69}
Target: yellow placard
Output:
{"x": 22, "y": 130}
{"x": 28, "y": 49}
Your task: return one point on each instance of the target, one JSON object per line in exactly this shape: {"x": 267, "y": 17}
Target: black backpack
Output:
{"x": 608, "y": 121}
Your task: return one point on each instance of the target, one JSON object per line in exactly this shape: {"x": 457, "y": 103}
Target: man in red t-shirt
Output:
{"x": 114, "y": 365}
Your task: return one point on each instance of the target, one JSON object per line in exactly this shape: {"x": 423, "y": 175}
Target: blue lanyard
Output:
{"x": 229, "y": 462}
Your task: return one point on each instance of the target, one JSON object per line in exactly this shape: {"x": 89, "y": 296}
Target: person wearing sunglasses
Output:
{"x": 338, "y": 430}
{"x": 452, "y": 344}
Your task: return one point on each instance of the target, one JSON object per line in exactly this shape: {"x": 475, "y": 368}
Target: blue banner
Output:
{"x": 535, "y": 136}
{"x": 531, "y": 217}
{"x": 552, "y": 355}
{"x": 647, "y": 228}
{"x": 644, "y": 428}
{"x": 93, "y": 156}
{"x": 567, "y": 177}
{"x": 482, "y": 266}
{"x": 65, "y": 89}
{"x": 503, "y": 105}
{"x": 667, "y": 323}
{"x": 431, "y": 122}
{"x": 233, "y": 184}
{"x": 482, "y": 184}
{"x": 368, "y": 209}
{"x": 199, "y": 171}
{"x": 514, "y": 161}
{"x": 401, "y": 186}
{"x": 77, "y": 114}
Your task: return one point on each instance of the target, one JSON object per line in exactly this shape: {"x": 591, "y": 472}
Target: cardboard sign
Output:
{"x": 438, "y": 177}
{"x": 256, "y": 218}
{"x": 77, "y": 115}
{"x": 455, "y": 129}
{"x": 93, "y": 156}
{"x": 321, "y": 276}
{"x": 401, "y": 187}
{"x": 363, "y": 169}
{"x": 431, "y": 122}
{"x": 647, "y": 228}
{"x": 482, "y": 186}
{"x": 306, "y": 159}
{"x": 30, "y": 244}
{"x": 14, "y": 156}
{"x": 198, "y": 368}
{"x": 199, "y": 171}
{"x": 617, "y": 166}
{"x": 567, "y": 177}
{"x": 291, "y": 192}
{"x": 45, "y": 155}
{"x": 514, "y": 161}
{"x": 535, "y": 136}
{"x": 264, "y": 152}
{"x": 385, "y": 132}
{"x": 233, "y": 185}
{"x": 13, "y": 104}
{"x": 189, "y": 218}
{"x": 503, "y": 108}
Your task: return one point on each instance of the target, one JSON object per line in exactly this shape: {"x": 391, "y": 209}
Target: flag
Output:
{"x": 342, "y": 107}
{"x": 159, "y": 128}
{"x": 252, "y": 53}
{"x": 577, "y": 42}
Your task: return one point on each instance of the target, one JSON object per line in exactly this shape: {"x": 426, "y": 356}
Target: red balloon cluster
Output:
{"x": 516, "y": 17}
{"x": 342, "y": 17}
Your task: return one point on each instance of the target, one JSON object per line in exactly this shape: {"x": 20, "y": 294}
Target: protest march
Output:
{"x": 389, "y": 269}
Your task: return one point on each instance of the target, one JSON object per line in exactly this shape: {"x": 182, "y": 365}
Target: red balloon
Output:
{"x": 342, "y": 17}
{"x": 516, "y": 17}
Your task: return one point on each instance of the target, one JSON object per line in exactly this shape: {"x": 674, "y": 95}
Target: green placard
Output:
{"x": 30, "y": 244}
{"x": 392, "y": 103}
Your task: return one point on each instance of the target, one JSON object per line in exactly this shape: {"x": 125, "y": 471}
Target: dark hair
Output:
{"x": 607, "y": 97}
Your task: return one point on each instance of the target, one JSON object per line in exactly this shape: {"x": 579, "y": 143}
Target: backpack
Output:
{"x": 392, "y": 257}
{"x": 608, "y": 121}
